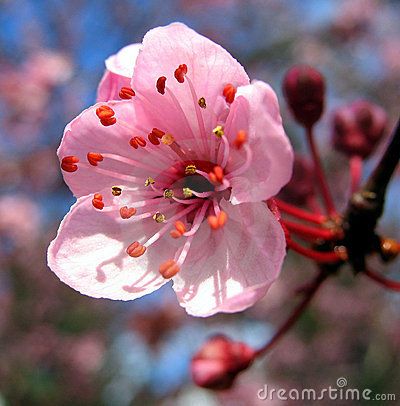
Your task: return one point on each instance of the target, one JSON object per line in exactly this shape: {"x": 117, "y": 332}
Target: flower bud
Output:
{"x": 301, "y": 185}
{"x": 358, "y": 127}
{"x": 304, "y": 89}
{"x": 217, "y": 363}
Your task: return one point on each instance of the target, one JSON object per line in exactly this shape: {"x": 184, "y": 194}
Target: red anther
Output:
{"x": 135, "y": 250}
{"x": 133, "y": 143}
{"x": 153, "y": 139}
{"x": 126, "y": 93}
{"x": 94, "y": 158}
{"x": 127, "y": 212}
{"x": 216, "y": 222}
{"x": 97, "y": 201}
{"x": 168, "y": 269}
{"x": 229, "y": 93}
{"x": 141, "y": 141}
{"x": 175, "y": 234}
{"x": 213, "y": 222}
{"x": 217, "y": 176}
{"x": 180, "y": 73}
{"x": 158, "y": 133}
{"x": 222, "y": 219}
{"x": 180, "y": 229}
{"x": 240, "y": 139}
{"x": 105, "y": 114}
{"x": 161, "y": 84}
{"x": 68, "y": 163}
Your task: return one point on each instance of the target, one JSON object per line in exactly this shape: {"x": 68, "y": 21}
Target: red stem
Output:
{"x": 297, "y": 312}
{"x": 300, "y": 213}
{"x": 310, "y": 232}
{"x": 356, "y": 167}
{"x": 326, "y": 195}
{"x": 319, "y": 256}
{"x": 387, "y": 283}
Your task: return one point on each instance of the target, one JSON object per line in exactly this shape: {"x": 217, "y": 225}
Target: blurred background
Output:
{"x": 58, "y": 347}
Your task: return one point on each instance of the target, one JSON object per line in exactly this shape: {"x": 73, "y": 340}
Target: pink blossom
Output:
{"x": 171, "y": 182}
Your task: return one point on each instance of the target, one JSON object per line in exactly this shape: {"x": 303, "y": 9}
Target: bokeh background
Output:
{"x": 60, "y": 348}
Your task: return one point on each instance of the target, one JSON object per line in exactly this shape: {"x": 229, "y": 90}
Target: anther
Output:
{"x": 168, "y": 269}
{"x": 126, "y": 93}
{"x": 116, "y": 191}
{"x": 229, "y": 92}
{"x": 135, "y": 250}
{"x": 135, "y": 142}
{"x": 180, "y": 73}
{"x": 168, "y": 193}
{"x": 202, "y": 102}
{"x": 180, "y": 229}
{"x": 217, "y": 175}
{"x": 190, "y": 169}
{"x": 167, "y": 139}
{"x": 127, "y": 212}
{"x": 94, "y": 158}
{"x": 218, "y": 131}
{"x": 160, "y": 85}
{"x": 155, "y": 136}
{"x": 240, "y": 139}
{"x": 97, "y": 201}
{"x": 216, "y": 222}
{"x": 68, "y": 163}
{"x": 159, "y": 217}
{"x": 149, "y": 181}
{"x": 106, "y": 115}
{"x": 187, "y": 192}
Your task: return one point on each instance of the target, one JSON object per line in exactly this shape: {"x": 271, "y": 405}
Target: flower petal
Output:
{"x": 86, "y": 134}
{"x": 256, "y": 111}
{"x": 230, "y": 269}
{"x": 209, "y": 68}
{"x": 119, "y": 71}
{"x": 89, "y": 255}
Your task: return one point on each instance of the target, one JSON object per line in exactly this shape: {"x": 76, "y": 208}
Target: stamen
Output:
{"x": 160, "y": 85}
{"x": 180, "y": 73}
{"x": 180, "y": 229}
{"x": 229, "y": 93}
{"x": 131, "y": 162}
{"x": 190, "y": 169}
{"x": 97, "y": 201}
{"x": 226, "y": 153}
{"x": 240, "y": 139}
{"x": 94, "y": 158}
{"x": 198, "y": 219}
{"x": 246, "y": 164}
{"x": 149, "y": 181}
{"x": 218, "y": 131}
{"x": 159, "y": 217}
{"x": 168, "y": 194}
{"x": 155, "y": 136}
{"x": 217, "y": 175}
{"x": 136, "y": 250}
{"x": 202, "y": 102}
{"x": 116, "y": 191}
{"x": 219, "y": 221}
{"x": 168, "y": 269}
{"x": 137, "y": 141}
{"x": 116, "y": 175}
{"x": 127, "y": 212}
{"x": 187, "y": 192}
{"x": 126, "y": 93}
{"x": 68, "y": 163}
{"x": 106, "y": 115}
{"x": 168, "y": 139}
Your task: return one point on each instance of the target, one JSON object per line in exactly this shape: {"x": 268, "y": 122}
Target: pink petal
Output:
{"x": 89, "y": 255}
{"x": 86, "y": 134}
{"x": 230, "y": 269}
{"x": 209, "y": 68}
{"x": 119, "y": 71}
{"x": 256, "y": 111}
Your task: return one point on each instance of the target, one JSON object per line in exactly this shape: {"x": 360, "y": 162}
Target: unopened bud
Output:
{"x": 219, "y": 361}
{"x": 304, "y": 90}
{"x": 358, "y": 127}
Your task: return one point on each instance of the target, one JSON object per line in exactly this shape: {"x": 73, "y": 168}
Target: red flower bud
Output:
{"x": 301, "y": 186}
{"x": 304, "y": 89}
{"x": 358, "y": 127}
{"x": 217, "y": 363}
